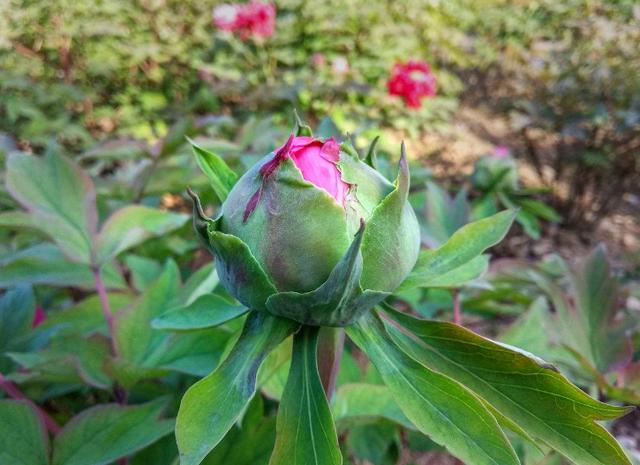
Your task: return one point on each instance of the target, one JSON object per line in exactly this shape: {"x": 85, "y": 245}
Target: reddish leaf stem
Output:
{"x": 14, "y": 392}
{"x": 106, "y": 308}
{"x": 457, "y": 310}
{"x": 330, "y": 348}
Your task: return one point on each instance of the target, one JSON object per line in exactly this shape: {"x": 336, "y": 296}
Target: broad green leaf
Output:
{"x": 473, "y": 269}
{"x": 596, "y": 303}
{"x": 305, "y": 432}
{"x": 135, "y": 339}
{"x": 367, "y": 401}
{"x": 249, "y": 443}
{"x": 221, "y": 177}
{"x": 530, "y": 393}
{"x": 465, "y": 244}
{"x": 45, "y": 264}
{"x": 206, "y": 311}
{"x": 18, "y": 220}
{"x": 377, "y": 443}
{"x": 131, "y": 226}
{"x": 17, "y": 307}
{"x": 436, "y": 404}
{"x": 211, "y": 406}
{"x": 85, "y": 317}
{"x": 443, "y": 215}
{"x": 23, "y": 436}
{"x": 60, "y": 196}
{"x": 68, "y": 359}
{"x": 102, "y": 434}
{"x": 201, "y": 282}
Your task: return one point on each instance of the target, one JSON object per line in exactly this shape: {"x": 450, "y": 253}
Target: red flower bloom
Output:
{"x": 412, "y": 81}
{"x": 255, "y": 18}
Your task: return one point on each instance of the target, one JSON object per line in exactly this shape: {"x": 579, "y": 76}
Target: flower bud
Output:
{"x": 314, "y": 234}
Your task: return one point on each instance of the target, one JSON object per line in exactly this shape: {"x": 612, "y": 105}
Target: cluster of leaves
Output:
{"x": 132, "y": 320}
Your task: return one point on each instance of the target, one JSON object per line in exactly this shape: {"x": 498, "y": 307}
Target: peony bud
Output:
{"x": 314, "y": 234}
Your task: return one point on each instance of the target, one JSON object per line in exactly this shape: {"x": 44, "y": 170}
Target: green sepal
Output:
{"x": 301, "y": 129}
{"x": 339, "y": 301}
{"x": 372, "y": 155}
{"x": 305, "y": 431}
{"x": 221, "y": 177}
{"x": 348, "y": 148}
{"x": 211, "y": 406}
{"x": 201, "y": 222}
{"x": 386, "y": 263}
{"x": 239, "y": 271}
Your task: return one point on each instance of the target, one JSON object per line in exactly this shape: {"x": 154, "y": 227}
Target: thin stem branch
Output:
{"x": 14, "y": 392}
{"x": 457, "y": 308}
{"x": 330, "y": 348}
{"x": 104, "y": 304}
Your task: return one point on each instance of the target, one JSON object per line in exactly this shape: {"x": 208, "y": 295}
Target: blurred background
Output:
{"x": 526, "y": 104}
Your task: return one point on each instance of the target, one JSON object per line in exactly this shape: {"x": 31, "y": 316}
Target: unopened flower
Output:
{"x": 412, "y": 81}
{"x": 313, "y": 223}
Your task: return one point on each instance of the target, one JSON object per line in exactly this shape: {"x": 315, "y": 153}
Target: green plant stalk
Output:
{"x": 14, "y": 392}
{"x": 330, "y": 348}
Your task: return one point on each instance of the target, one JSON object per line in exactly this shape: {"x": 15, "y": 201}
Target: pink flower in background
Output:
{"x": 225, "y": 16}
{"x": 253, "y": 19}
{"x": 38, "y": 317}
{"x": 340, "y": 65}
{"x": 318, "y": 60}
{"x": 501, "y": 151}
{"x": 412, "y": 81}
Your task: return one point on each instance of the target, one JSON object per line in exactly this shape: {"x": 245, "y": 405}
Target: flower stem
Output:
{"x": 330, "y": 347}
{"x": 457, "y": 310}
{"x": 14, "y": 392}
{"x": 104, "y": 304}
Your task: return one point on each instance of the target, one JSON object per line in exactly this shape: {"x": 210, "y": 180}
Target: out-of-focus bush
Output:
{"x": 568, "y": 76}
{"x": 77, "y": 72}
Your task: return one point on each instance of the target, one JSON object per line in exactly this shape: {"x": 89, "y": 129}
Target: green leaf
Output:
{"x": 444, "y": 215}
{"x": 102, "y": 434}
{"x": 60, "y": 196}
{"x": 17, "y": 307}
{"x": 530, "y": 393}
{"x": 131, "y": 226}
{"x": 465, "y": 244}
{"x": 305, "y": 432}
{"x": 206, "y": 311}
{"x": 473, "y": 269}
{"x": 437, "y": 405}
{"x": 221, "y": 177}
{"x": 23, "y": 436}
{"x": 45, "y": 264}
{"x": 367, "y": 401}
{"x": 135, "y": 340}
{"x": 210, "y": 407}
{"x": 250, "y": 443}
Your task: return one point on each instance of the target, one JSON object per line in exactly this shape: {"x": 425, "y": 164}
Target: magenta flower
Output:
{"x": 317, "y": 160}
{"x": 412, "y": 81}
{"x": 253, "y": 19}
{"x": 38, "y": 317}
{"x": 501, "y": 151}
